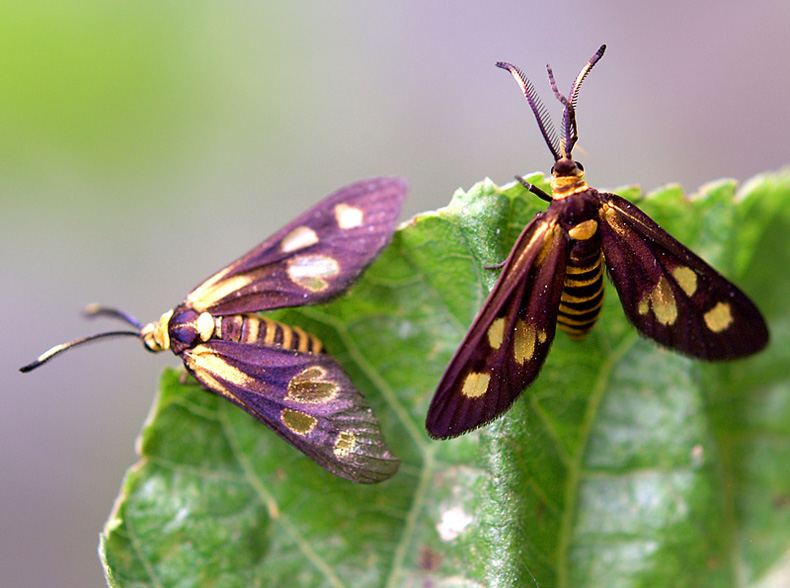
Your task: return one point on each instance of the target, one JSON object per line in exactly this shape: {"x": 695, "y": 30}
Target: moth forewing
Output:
{"x": 507, "y": 343}
{"x": 670, "y": 294}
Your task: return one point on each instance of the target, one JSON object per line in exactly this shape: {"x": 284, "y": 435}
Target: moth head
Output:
{"x": 155, "y": 336}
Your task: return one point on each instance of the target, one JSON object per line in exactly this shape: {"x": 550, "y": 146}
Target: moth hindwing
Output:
{"x": 554, "y": 276}
{"x": 276, "y": 372}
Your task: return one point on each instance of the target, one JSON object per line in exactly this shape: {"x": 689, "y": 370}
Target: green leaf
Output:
{"x": 623, "y": 465}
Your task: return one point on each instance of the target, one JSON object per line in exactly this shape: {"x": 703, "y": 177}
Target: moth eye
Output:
{"x": 579, "y": 166}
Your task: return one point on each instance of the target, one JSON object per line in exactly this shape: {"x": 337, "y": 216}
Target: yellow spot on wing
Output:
{"x": 686, "y": 279}
{"x": 205, "y": 362}
{"x": 348, "y": 217}
{"x": 496, "y": 333}
{"x": 719, "y": 317}
{"x": 475, "y": 384}
{"x": 524, "y": 342}
{"x": 312, "y": 271}
{"x": 215, "y": 289}
{"x": 298, "y": 422}
{"x": 310, "y": 386}
{"x": 299, "y": 238}
{"x": 663, "y": 301}
{"x": 345, "y": 443}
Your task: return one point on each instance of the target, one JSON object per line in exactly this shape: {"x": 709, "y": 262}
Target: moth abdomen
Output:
{"x": 582, "y": 294}
{"x": 252, "y": 329}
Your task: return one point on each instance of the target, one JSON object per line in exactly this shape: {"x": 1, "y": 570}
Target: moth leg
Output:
{"x": 534, "y": 189}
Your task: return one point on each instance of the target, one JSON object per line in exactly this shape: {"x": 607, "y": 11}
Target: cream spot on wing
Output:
{"x": 204, "y": 362}
{"x": 345, "y": 444}
{"x": 663, "y": 301}
{"x": 686, "y": 278}
{"x": 312, "y": 271}
{"x": 310, "y": 386}
{"x": 644, "y": 305}
{"x": 298, "y": 422}
{"x": 475, "y": 384}
{"x": 524, "y": 341}
{"x": 719, "y": 317}
{"x": 299, "y": 238}
{"x": 212, "y": 291}
{"x": 348, "y": 217}
{"x": 496, "y": 333}
{"x": 584, "y": 231}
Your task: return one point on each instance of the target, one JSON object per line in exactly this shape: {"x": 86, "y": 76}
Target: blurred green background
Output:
{"x": 144, "y": 145}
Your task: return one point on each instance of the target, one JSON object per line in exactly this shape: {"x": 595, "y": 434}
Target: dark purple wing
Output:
{"x": 671, "y": 295}
{"x": 311, "y": 259}
{"x": 507, "y": 344}
{"x": 305, "y": 398}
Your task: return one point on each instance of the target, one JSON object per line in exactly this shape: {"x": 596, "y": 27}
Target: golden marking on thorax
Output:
{"x": 663, "y": 302}
{"x": 344, "y": 444}
{"x": 719, "y": 317}
{"x": 565, "y": 297}
{"x": 210, "y": 292}
{"x": 686, "y": 278}
{"x": 299, "y": 238}
{"x": 253, "y": 325}
{"x": 475, "y": 384}
{"x": 298, "y": 422}
{"x": 310, "y": 386}
{"x": 312, "y": 271}
{"x": 496, "y": 333}
{"x": 584, "y": 231}
{"x": 271, "y": 330}
{"x": 202, "y": 360}
{"x": 348, "y": 217}
{"x": 524, "y": 341}
{"x": 567, "y": 186}
{"x": 205, "y": 326}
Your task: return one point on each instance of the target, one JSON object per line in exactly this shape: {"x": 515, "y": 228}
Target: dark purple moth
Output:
{"x": 554, "y": 275}
{"x": 278, "y": 373}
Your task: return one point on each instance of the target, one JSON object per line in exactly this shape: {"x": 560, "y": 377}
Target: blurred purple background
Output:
{"x": 145, "y": 145}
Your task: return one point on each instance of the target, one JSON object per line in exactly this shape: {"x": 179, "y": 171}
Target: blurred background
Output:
{"x": 144, "y": 145}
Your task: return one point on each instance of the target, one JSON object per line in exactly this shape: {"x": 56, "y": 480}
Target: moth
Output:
{"x": 554, "y": 275}
{"x": 276, "y": 372}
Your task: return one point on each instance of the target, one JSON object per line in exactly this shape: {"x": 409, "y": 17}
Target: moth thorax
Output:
{"x": 155, "y": 335}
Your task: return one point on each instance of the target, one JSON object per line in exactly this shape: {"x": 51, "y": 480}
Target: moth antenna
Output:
{"x": 94, "y": 310}
{"x": 570, "y": 131}
{"x": 541, "y": 115}
{"x": 58, "y": 349}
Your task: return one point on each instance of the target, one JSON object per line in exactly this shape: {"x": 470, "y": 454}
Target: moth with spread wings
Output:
{"x": 554, "y": 275}
{"x": 276, "y": 372}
